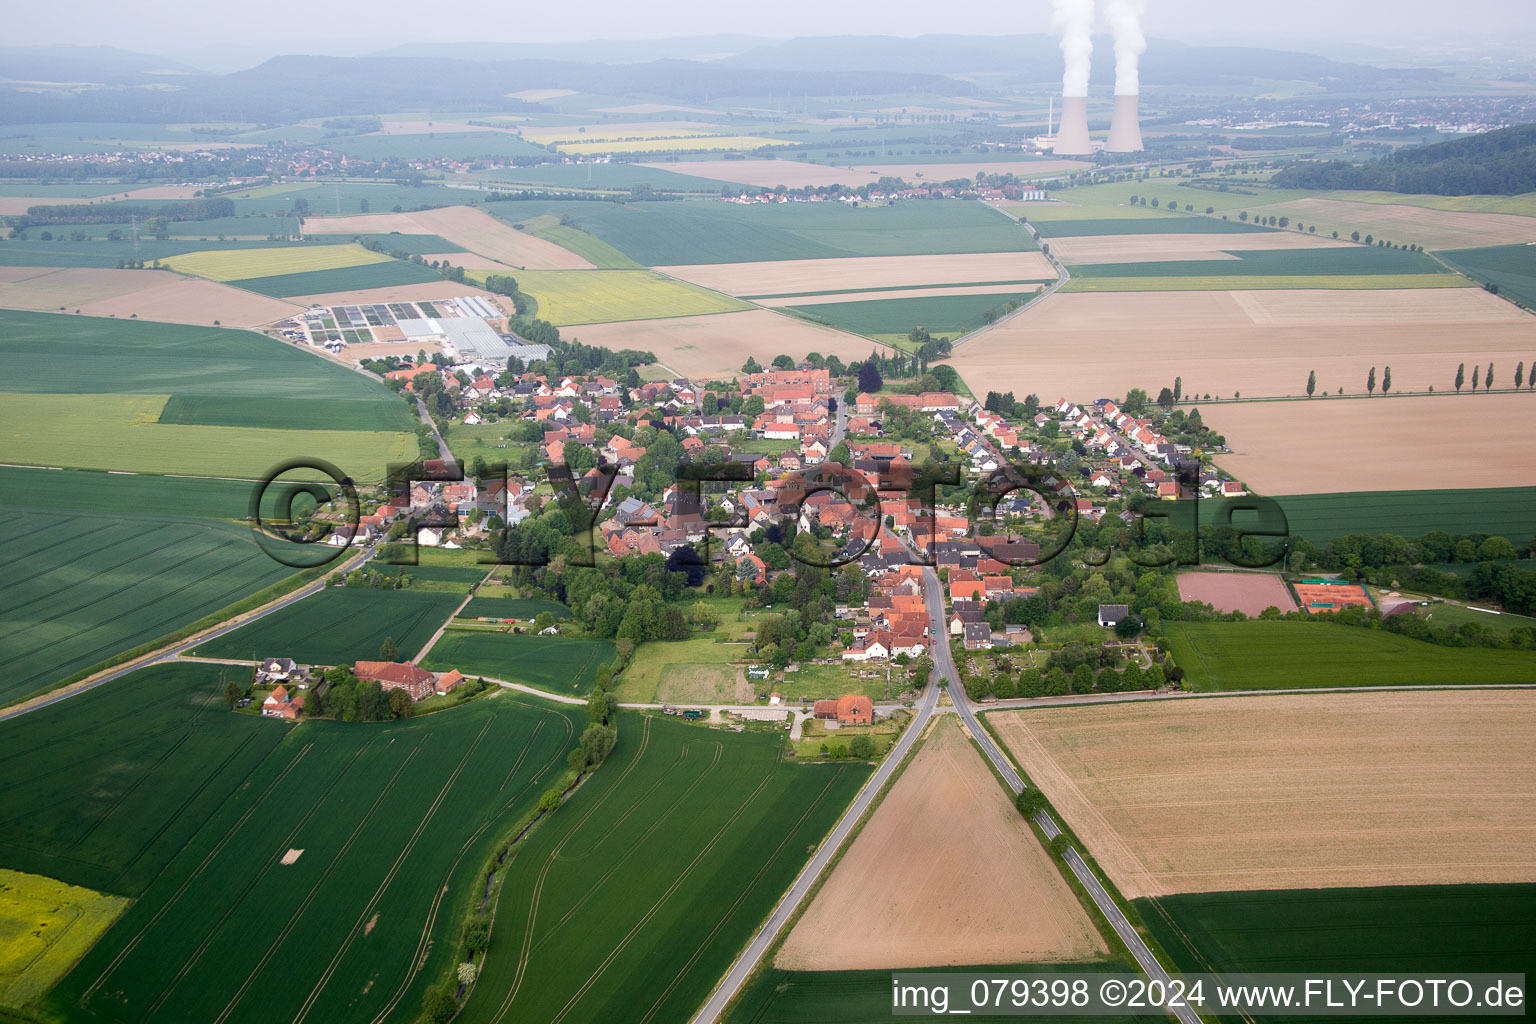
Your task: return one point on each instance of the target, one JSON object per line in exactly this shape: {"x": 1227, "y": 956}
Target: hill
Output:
{"x": 1499, "y": 163}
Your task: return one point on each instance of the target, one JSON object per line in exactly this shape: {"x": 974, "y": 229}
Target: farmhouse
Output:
{"x": 1109, "y": 614}
{"x": 396, "y": 675}
{"x": 849, "y": 709}
{"x": 281, "y": 704}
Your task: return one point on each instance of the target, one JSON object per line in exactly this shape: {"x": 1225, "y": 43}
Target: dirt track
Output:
{"x": 945, "y": 873}
{"x": 1293, "y": 792}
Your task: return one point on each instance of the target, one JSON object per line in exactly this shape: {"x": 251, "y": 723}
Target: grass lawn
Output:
{"x": 815, "y": 682}
{"x": 884, "y": 732}
{"x": 338, "y": 626}
{"x": 695, "y": 671}
{"x": 629, "y": 903}
{"x": 1273, "y": 655}
{"x": 1444, "y": 614}
{"x": 557, "y": 664}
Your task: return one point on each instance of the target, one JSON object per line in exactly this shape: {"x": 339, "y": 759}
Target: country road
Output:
{"x": 1065, "y": 275}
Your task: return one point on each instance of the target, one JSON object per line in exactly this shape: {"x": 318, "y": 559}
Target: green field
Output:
{"x": 590, "y": 248}
{"x": 251, "y": 226}
{"x": 1141, "y": 226}
{"x": 116, "y": 356}
{"x": 1509, "y": 512}
{"x": 436, "y": 146}
{"x": 337, "y": 199}
{"x": 92, "y": 491}
{"x": 634, "y": 899}
{"x": 456, "y": 574}
{"x": 418, "y": 245}
{"x": 688, "y": 232}
{"x": 34, "y": 252}
{"x": 238, "y": 265}
{"x": 1511, "y": 267}
{"x": 1257, "y": 655}
{"x": 621, "y": 176}
{"x": 1426, "y": 930}
{"x": 552, "y": 663}
{"x": 344, "y": 279}
{"x": 1342, "y": 261}
{"x": 512, "y": 608}
{"x": 82, "y": 586}
{"x": 941, "y": 314}
{"x": 570, "y": 297}
{"x": 125, "y": 433}
{"x": 338, "y": 626}
{"x": 278, "y": 412}
{"x": 395, "y": 822}
{"x": 775, "y": 996}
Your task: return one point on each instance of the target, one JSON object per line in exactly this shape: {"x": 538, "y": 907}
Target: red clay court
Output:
{"x": 1246, "y": 592}
{"x": 1329, "y": 596}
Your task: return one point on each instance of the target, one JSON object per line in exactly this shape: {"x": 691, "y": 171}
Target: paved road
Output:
{"x": 746, "y": 962}
{"x": 173, "y": 653}
{"x": 1061, "y": 269}
{"x": 426, "y": 417}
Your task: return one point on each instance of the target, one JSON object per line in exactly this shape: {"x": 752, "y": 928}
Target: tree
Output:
{"x": 438, "y": 1006}
{"x": 1476, "y": 372}
{"x": 861, "y": 747}
{"x": 1030, "y": 802}
{"x": 1178, "y": 388}
{"x": 387, "y": 649}
{"x": 1311, "y": 383}
{"x": 1519, "y": 374}
{"x": 1488, "y": 379}
{"x": 467, "y": 973}
{"x": 400, "y": 704}
{"x": 1461, "y": 376}
{"x": 232, "y": 693}
{"x": 1056, "y": 682}
{"x": 1370, "y": 382}
{"x": 1082, "y": 679}
{"x": 1165, "y": 399}
{"x": 782, "y": 362}
{"x": 1386, "y": 380}
{"x": 550, "y": 801}
{"x": 870, "y": 380}
{"x": 1127, "y": 627}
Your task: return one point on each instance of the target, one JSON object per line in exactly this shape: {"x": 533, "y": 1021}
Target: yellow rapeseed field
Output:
{"x": 242, "y": 264}
{"x": 45, "y": 926}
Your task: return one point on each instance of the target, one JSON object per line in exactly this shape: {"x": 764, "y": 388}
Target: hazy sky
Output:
{"x": 355, "y": 26}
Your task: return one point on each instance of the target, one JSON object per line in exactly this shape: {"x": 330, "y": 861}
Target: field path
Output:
{"x": 421, "y": 654}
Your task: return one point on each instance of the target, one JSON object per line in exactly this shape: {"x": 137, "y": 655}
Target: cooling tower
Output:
{"x": 1072, "y": 138}
{"x": 1125, "y": 129}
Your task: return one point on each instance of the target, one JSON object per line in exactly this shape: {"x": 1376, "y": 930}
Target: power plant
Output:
{"x": 1125, "y": 129}
{"x": 1074, "y": 19}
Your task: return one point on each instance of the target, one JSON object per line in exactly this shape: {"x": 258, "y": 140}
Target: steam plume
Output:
{"x": 1125, "y": 22}
{"x": 1074, "y": 20}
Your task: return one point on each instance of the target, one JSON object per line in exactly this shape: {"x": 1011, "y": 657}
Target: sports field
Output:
{"x": 1303, "y": 447}
{"x": 950, "y": 314}
{"x": 569, "y": 297}
{"x": 1422, "y": 929}
{"x": 474, "y": 230}
{"x": 1246, "y": 592}
{"x": 556, "y": 664}
{"x": 236, "y": 265}
{"x": 338, "y": 626}
{"x": 629, "y": 904}
{"x": 716, "y": 346}
{"x": 1253, "y": 343}
{"x": 81, "y": 586}
{"x": 692, "y": 232}
{"x": 1003, "y": 900}
{"x": 1279, "y": 655}
{"x": 1292, "y": 792}
{"x": 1511, "y": 267}
{"x": 45, "y": 926}
{"x": 813, "y": 277}
{"x": 342, "y": 904}
{"x": 126, "y": 433}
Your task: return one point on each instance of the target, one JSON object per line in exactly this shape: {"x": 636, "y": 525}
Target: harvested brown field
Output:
{"x": 785, "y": 277}
{"x": 1246, "y": 592}
{"x": 1089, "y": 249}
{"x": 901, "y": 293}
{"x": 717, "y": 344}
{"x": 794, "y": 174}
{"x": 429, "y": 292}
{"x": 144, "y": 294}
{"x": 475, "y": 230}
{"x": 945, "y": 873}
{"x": 1431, "y": 442}
{"x": 1409, "y": 225}
{"x": 1259, "y": 343}
{"x": 1293, "y": 791}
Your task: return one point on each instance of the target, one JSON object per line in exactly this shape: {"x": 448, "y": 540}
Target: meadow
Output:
{"x": 947, "y": 314}
{"x": 692, "y": 232}
{"x": 342, "y": 279}
{"x": 1397, "y": 929}
{"x": 557, "y": 664}
{"x": 124, "y": 433}
{"x": 278, "y": 412}
{"x": 629, "y": 904}
{"x": 512, "y": 608}
{"x": 338, "y": 626}
{"x": 571, "y": 297}
{"x": 217, "y": 265}
{"x": 1509, "y": 512}
{"x": 82, "y": 586}
{"x": 394, "y": 826}
{"x": 1511, "y": 267}
{"x": 1257, "y": 655}
{"x": 45, "y": 926}
{"x": 693, "y": 671}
